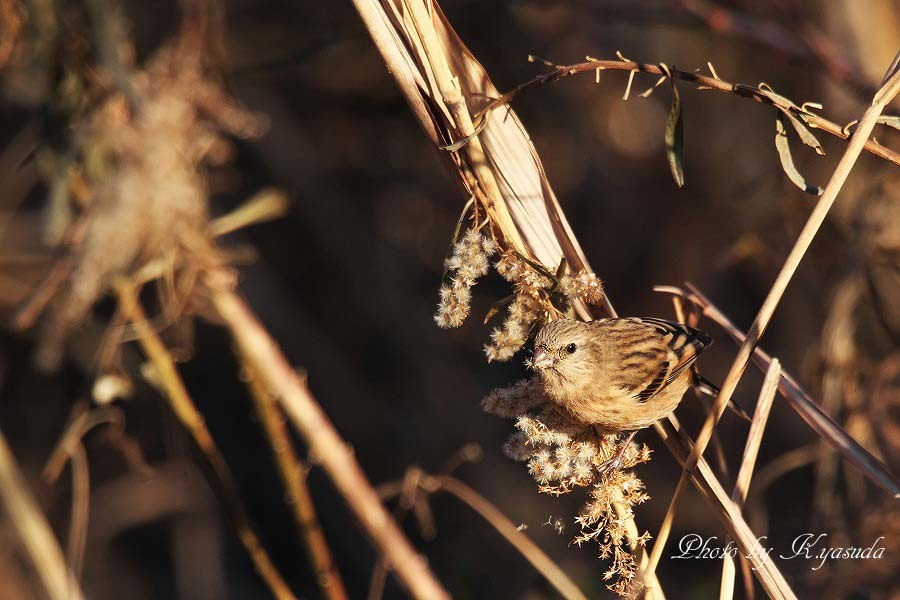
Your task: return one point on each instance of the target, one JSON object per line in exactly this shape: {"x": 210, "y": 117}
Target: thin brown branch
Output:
{"x": 527, "y": 548}
{"x": 293, "y": 474}
{"x": 499, "y": 521}
{"x": 191, "y": 419}
{"x": 335, "y": 455}
{"x": 757, "y": 94}
{"x": 33, "y": 530}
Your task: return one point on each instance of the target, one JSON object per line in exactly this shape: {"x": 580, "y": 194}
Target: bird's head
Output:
{"x": 565, "y": 352}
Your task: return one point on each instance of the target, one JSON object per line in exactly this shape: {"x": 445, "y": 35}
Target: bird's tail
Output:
{"x": 707, "y": 387}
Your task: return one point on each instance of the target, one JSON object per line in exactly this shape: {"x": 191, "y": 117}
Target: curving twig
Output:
{"x": 761, "y": 94}
{"x": 70, "y": 449}
{"x": 527, "y": 548}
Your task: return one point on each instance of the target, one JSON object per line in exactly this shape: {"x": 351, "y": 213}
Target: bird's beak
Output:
{"x": 541, "y": 360}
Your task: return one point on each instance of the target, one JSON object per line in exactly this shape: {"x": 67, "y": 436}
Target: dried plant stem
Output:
{"x": 527, "y": 548}
{"x": 748, "y": 462}
{"x": 665, "y": 528}
{"x": 754, "y": 437}
{"x": 765, "y": 570}
{"x": 293, "y": 474}
{"x": 799, "y": 399}
{"x": 817, "y": 217}
{"x": 449, "y": 87}
{"x": 704, "y": 82}
{"x": 266, "y": 205}
{"x": 33, "y": 530}
{"x": 495, "y": 517}
{"x": 721, "y": 463}
{"x": 335, "y": 455}
{"x": 191, "y": 419}
{"x": 70, "y": 449}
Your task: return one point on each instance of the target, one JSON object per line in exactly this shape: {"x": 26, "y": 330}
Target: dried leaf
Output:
{"x": 497, "y": 306}
{"x": 675, "y": 137}
{"x": 787, "y": 161}
{"x": 479, "y": 123}
{"x": 805, "y": 134}
{"x": 890, "y": 121}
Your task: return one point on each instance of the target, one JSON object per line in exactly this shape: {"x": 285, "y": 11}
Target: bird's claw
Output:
{"x": 610, "y": 466}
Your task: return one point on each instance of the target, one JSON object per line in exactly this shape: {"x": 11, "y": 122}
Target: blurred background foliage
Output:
{"x": 348, "y": 280}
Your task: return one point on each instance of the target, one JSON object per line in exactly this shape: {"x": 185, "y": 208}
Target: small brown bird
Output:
{"x": 618, "y": 375}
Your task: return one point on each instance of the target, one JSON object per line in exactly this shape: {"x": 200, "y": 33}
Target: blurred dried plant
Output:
{"x": 858, "y": 367}
{"x": 12, "y": 20}
{"x": 140, "y": 194}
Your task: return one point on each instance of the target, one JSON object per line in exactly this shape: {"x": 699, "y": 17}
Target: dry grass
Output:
{"x": 129, "y": 211}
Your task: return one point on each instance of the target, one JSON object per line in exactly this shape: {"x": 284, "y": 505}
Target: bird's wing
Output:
{"x": 653, "y": 353}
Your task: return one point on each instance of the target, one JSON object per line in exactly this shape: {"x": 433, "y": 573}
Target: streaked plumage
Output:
{"x": 617, "y": 374}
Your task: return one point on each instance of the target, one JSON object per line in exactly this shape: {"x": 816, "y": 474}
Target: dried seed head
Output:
{"x": 468, "y": 261}
{"x": 561, "y": 455}
{"x": 512, "y": 401}
{"x": 583, "y": 285}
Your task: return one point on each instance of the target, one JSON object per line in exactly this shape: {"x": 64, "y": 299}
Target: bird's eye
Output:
{"x": 571, "y": 348}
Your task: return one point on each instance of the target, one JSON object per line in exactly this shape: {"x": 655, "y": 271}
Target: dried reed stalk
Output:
{"x": 748, "y": 462}
{"x": 765, "y": 570}
{"x": 33, "y": 530}
{"x": 504, "y": 169}
{"x": 334, "y": 454}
